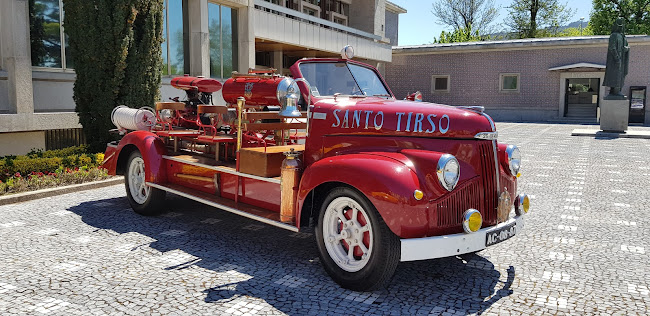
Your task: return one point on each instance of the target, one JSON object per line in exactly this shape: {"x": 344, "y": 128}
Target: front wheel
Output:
{"x": 144, "y": 199}
{"x": 356, "y": 247}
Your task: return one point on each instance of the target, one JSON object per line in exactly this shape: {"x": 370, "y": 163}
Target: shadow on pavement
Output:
{"x": 247, "y": 259}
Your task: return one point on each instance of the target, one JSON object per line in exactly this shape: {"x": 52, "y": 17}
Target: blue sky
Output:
{"x": 418, "y": 26}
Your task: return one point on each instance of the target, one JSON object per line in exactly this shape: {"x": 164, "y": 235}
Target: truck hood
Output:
{"x": 379, "y": 116}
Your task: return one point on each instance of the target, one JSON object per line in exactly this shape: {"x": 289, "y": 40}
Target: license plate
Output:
{"x": 501, "y": 234}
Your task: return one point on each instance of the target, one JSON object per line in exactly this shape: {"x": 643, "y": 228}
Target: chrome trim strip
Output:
{"x": 225, "y": 208}
{"x": 494, "y": 148}
{"x": 487, "y": 135}
{"x": 220, "y": 169}
{"x": 497, "y": 172}
{"x": 319, "y": 115}
{"x": 473, "y": 108}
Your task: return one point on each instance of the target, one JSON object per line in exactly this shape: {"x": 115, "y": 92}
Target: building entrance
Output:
{"x": 582, "y": 97}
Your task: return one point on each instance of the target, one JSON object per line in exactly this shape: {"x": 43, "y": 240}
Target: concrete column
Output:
{"x": 246, "y": 39}
{"x": 276, "y": 60}
{"x": 199, "y": 47}
{"x": 16, "y": 55}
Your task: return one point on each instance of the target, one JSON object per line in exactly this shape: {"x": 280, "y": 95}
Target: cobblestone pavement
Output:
{"x": 584, "y": 250}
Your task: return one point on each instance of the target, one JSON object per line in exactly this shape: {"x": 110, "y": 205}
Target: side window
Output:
{"x": 508, "y": 82}
{"x": 439, "y": 83}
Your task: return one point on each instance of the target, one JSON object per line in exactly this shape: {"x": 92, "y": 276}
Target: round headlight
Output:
{"x": 287, "y": 88}
{"x": 522, "y": 204}
{"x": 514, "y": 159}
{"x": 472, "y": 221}
{"x": 448, "y": 171}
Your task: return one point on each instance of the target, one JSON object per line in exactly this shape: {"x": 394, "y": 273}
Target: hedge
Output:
{"x": 48, "y": 161}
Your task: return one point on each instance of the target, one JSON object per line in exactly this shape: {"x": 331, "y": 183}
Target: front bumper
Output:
{"x": 451, "y": 245}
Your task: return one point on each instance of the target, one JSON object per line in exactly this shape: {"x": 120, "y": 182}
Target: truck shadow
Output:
{"x": 241, "y": 259}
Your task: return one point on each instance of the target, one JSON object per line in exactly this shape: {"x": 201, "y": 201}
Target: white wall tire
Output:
{"x": 356, "y": 247}
{"x": 143, "y": 199}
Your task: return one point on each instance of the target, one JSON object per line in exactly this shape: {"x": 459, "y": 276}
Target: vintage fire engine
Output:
{"x": 379, "y": 180}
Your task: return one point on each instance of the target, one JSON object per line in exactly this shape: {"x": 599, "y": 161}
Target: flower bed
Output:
{"x": 46, "y": 169}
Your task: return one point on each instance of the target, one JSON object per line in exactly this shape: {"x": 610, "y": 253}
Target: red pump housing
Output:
{"x": 206, "y": 85}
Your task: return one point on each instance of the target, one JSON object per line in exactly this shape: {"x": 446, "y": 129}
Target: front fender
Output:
{"x": 388, "y": 184}
{"x": 150, "y": 146}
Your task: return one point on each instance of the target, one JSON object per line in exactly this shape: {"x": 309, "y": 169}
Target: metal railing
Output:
{"x": 315, "y": 20}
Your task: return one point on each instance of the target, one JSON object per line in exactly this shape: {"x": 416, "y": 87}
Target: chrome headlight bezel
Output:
{"x": 287, "y": 88}
{"x": 466, "y": 220}
{"x": 514, "y": 159}
{"x": 445, "y": 169}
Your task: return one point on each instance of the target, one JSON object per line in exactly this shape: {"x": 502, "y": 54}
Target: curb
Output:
{"x": 39, "y": 194}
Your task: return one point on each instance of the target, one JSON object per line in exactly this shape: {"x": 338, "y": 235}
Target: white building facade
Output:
{"x": 202, "y": 38}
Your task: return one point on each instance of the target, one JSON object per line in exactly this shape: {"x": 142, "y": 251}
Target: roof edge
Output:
{"x": 394, "y": 8}
{"x": 529, "y": 43}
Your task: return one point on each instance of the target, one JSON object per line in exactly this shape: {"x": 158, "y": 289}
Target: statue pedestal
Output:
{"x": 614, "y": 115}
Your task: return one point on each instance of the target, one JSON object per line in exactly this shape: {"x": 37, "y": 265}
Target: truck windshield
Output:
{"x": 326, "y": 79}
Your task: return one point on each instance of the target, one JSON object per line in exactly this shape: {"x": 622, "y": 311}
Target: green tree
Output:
{"x": 636, "y": 14}
{"x": 574, "y": 31}
{"x": 537, "y": 18}
{"x": 459, "y": 35}
{"x": 472, "y": 15}
{"x": 116, "y": 48}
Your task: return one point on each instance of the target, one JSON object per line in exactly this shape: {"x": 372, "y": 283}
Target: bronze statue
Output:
{"x": 618, "y": 57}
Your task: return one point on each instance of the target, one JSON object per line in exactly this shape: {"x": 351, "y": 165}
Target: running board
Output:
{"x": 246, "y": 210}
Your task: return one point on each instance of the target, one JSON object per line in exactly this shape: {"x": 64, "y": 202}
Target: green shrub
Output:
{"x": 25, "y": 166}
{"x": 31, "y": 182}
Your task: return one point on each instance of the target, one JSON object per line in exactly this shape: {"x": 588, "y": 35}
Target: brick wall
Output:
{"x": 474, "y": 76}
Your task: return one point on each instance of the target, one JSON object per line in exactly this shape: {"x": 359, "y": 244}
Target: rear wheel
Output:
{"x": 356, "y": 247}
{"x": 144, "y": 199}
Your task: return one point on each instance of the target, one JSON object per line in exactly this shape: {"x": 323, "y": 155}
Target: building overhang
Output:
{"x": 579, "y": 67}
{"x": 394, "y": 8}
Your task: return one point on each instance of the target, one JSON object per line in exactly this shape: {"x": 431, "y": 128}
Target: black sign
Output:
{"x": 637, "y": 104}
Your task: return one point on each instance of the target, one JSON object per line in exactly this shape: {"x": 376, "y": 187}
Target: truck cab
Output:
{"x": 379, "y": 180}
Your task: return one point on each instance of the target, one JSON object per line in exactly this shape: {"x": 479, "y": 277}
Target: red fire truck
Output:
{"x": 379, "y": 180}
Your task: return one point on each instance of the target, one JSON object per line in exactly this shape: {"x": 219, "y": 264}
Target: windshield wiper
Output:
{"x": 382, "y": 95}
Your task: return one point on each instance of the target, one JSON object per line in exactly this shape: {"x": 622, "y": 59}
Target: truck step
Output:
{"x": 246, "y": 210}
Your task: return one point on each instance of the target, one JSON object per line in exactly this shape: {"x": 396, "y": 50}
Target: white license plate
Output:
{"x": 501, "y": 234}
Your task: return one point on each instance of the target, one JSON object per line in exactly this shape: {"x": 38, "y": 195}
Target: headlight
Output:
{"x": 522, "y": 204}
{"x": 448, "y": 171}
{"x": 514, "y": 159}
{"x": 287, "y": 88}
{"x": 472, "y": 221}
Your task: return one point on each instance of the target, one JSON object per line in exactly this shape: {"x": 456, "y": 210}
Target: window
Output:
{"x": 173, "y": 46}
{"x": 439, "y": 83}
{"x": 328, "y": 78}
{"x": 222, "y": 22}
{"x": 509, "y": 82}
{"x": 309, "y": 11}
{"x": 49, "y": 47}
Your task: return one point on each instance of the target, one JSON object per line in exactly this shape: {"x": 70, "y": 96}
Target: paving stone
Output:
{"x": 584, "y": 250}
